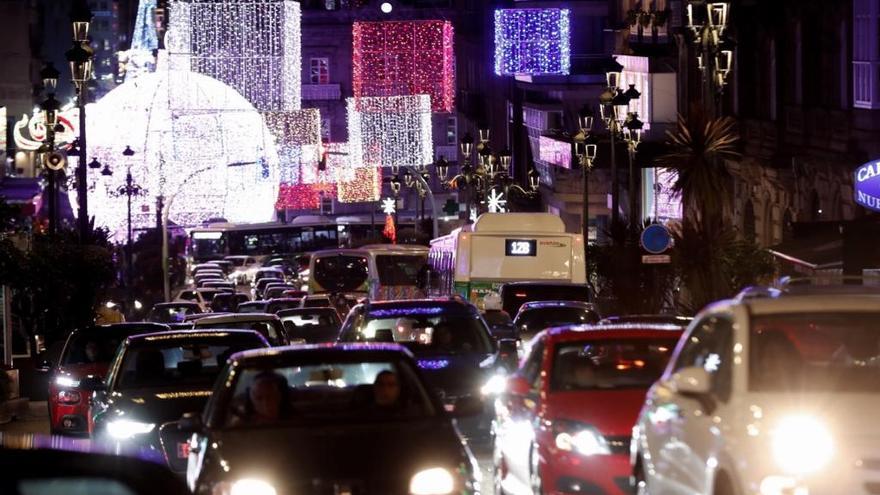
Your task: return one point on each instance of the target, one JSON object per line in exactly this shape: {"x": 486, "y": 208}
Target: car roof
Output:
{"x": 647, "y": 318}
{"x": 147, "y": 326}
{"x": 557, "y": 304}
{"x": 824, "y": 303}
{"x": 540, "y": 283}
{"x": 319, "y": 350}
{"x": 451, "y": 305}
{"x": 206, "y": 333}
{"x": 175, "y": 303}
{"x": 283, "y": 299}
{"x": 236, "y": 318}
{"x": 616, "y": 331}
{"x": 313, "y": 309}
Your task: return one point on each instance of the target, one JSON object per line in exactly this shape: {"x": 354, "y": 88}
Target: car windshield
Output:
{"x": 177, "y": 363}
{"x": 252, "y": 307}
{"x": 342, "y": 273}
{"x": 327, "y": 391}
{"x": 591, "y": 365}
{"x": 172, "y": 314}
{"x": 541, "y": 318}
{"x": 98, "y": 345}
{"x": 400, "y": 269}
{"x": 271, "y": 329}
{"x": 424, "y": 330}
{"x": 815, "y": 352}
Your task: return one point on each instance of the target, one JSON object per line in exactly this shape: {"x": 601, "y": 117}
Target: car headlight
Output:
{"x": 583, "y": 439}
{"x": 252, "y": 486}
{"x": 66, "y": 381}
{"x": 802, "y": 444}
{"x": 495, "y": 386}
{"x": 434, "y": 481}
{"x": 122, "y": 429}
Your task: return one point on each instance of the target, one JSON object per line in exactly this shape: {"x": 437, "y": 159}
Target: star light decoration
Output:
{"x": 401, "y": 58}
{"x": 226, "y": 137}
{"x": 390, "y": 131}
{"x": 252, "y": 45}
{"x": 495, "y": 202}
{"x": 532, "y": 41}
{"x": 389, "y": 206}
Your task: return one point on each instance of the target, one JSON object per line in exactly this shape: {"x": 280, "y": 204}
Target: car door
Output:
{"x": 519, "y": 425}
{"x": 683, "y": 431}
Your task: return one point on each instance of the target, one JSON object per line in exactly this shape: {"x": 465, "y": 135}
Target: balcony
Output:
{"x": 321, "y": 92}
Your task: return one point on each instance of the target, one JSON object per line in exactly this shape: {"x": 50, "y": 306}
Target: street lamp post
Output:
{"x": 80, "y": 58}
{"x": 614, "y": 111}
{"x": 129, "y": 189}
{"x": 50, "y": 108}
{"x": 586, "y": 153}
{"x": 632, "y": 135}
{"x": 707, "y": 22}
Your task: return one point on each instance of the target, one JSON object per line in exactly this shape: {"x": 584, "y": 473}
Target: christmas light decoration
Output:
{"x": 496, "y": 202}
{"x": 389, "y": 206}
{"x": 365, "y": 186}
{"x": 532, "y": 41}
{"x": 390, "y": 231}
{"x": 252, "y": 45}
{"x": 230, "y": 141}
{"x": 139, "y": 58}
{"x": 298, "y": 136}
{"x": 390, "y": 131}
{"x": 400, "y": 58}
{"x": 554, "y": 151}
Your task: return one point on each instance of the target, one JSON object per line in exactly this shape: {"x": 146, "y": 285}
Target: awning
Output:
{"x": 19, "y": 190}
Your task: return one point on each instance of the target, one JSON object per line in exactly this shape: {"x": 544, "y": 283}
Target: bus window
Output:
{"x": 342, "y": 273}
{"x": 399, "y": 269}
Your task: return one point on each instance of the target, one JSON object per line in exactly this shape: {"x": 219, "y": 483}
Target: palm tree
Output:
{"x": 699, "y": 149}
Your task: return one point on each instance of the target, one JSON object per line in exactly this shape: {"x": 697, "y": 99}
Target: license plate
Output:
{"x": 183, "y": 450}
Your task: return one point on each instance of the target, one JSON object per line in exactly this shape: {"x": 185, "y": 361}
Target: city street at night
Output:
{"x": 439, "y": 247}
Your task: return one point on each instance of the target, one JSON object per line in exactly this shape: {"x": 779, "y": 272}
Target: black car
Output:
{"x": 228, "y": 303}
{"x": 328, "y": 420}
{"x": 313, "y": 325}
{"x": 281, "y": 303}
{"x": 538, "y": 315}
{"x": 515, "y": 294}
{"x": 172, "y": 312}
{"x": 450, "y": 340}
{"x": 252, "y": 307}
{"x": 38, "y": 465}
{"x": 157, "y": 377}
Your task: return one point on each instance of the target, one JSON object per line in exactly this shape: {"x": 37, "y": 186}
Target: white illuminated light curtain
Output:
{"x": 212, "y": 127}
{"x": 252, "y": 45}
{"x": 390, "y": 131}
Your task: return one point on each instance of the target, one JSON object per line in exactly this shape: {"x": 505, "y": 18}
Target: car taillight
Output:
{"x": 69, "y": 397}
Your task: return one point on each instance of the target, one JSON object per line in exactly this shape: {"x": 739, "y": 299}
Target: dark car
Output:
{"x": 87, "y": 352}
{"x": 172, "y": 312}
{"x": 260, "y": 286}
{"x": 268, "y": 325}
{"x": 313, "y": 325}
{"x": 282, "y": 303}
{"x": 328, "y": 420}
{"x": 515, "y": 294}
{"x": 155, "y": 378}
{"x": 252, "y": 307}
{"x": 538, "y": 315}
{"x": 228, "y": 303}
{"x": 450, "y": 340}
{"x": 276, "y": 291}
{"x": 50, "y": 465}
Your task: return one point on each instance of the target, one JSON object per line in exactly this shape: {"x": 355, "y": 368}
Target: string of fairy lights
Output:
{"x": 532, "y": 41}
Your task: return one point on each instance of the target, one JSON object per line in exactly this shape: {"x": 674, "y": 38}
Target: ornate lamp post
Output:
{"x": 586, "y": 152}
{"x": 632, "y": 135}
{"x": 50, "y": 108}
{"x": 80, "y": 57}
{"x": 614, "y": 110}
{"x": 129, "y": 189}
{"x": 707, "y": 22}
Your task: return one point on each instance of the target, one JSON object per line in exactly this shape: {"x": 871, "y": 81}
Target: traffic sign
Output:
{"x": 656, "y": 259}
{"x": 656, "y": 239}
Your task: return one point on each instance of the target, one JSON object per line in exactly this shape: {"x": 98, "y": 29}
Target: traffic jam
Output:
{"x": 476, "y": 365}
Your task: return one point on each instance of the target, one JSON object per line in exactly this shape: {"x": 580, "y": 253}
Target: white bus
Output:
{"x": 379, "y": 271}
{"x": 505, "y": 247}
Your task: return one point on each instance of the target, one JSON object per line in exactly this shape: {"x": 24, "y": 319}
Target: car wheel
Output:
{"x": 535, "y": 472}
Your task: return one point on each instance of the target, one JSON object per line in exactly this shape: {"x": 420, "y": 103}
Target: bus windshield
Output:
{"x": 397, "y": 269}
{"x": 341, "y": 273}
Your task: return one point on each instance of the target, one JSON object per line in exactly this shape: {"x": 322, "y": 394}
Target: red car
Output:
{"x": 564, "y": 422}
{"x": 87, "y": 352}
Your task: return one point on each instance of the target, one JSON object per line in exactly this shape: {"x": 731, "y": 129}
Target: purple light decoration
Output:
{"x": 391, "y": 312}
{"x": 532, "y": 41}
{"x": 555, "y": 152}
{"x": 667, "y": 204}
{"x": 433, "y": 364}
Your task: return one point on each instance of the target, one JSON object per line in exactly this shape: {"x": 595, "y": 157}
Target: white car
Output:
{"x": 767, "y": 396}
{"x": 243, "y": 269}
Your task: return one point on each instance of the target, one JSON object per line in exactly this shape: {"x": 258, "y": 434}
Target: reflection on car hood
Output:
{"x": 160, "y": 405}
{"x": 456, "y": 374}
{"x": 387, "y": 452}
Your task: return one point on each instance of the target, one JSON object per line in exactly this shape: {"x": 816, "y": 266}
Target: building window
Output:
{"x": 320, "y": 70}
{"x": 451, "y": 131}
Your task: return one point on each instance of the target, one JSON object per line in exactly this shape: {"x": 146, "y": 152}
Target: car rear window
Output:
{"x": 343, "y": 273}
{"x": 604, "y": 365}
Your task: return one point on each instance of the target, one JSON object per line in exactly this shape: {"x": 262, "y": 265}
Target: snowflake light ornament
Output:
{"x": 389, "y": 206}
{"x": 496, "y": 202}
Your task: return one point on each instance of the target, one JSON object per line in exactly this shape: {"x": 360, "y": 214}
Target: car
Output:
{"x": 202, "y": 297}
{"x": 228, "y": 302}
{"x": 323, "y": 419}
{"x": 766, "y": 395}
{"x": 271, "y": 272}
{"x": 260, "y": 286}
{"x": 48, "y": 465}
{"x": 220, "y": 284}
{"x": 537, "y": 315}
{"x": 298, "y": 294}
{"x": 205, "y": 267}
{"x": 276, "y": 291}
{"x": 515, "y": 294}
{"x": 214, "y": 275}
{"x": 154, "y": 379}
{"x": 252, "y": 307}
{"x": 313, "y": 325}
{"x": 243, "y": 268}
{"x": 451, "y": 342}
{"x": 269, "y": 326}
{"x": 563, "y": 421}
{"x": 317, "y": 301}
{"x": 682, "y": 321}
{"x": 86, "y": 352}
{"x": 278, "y": 304}
{"x": 172, "y": 312}
{"x": 224, "y": 265}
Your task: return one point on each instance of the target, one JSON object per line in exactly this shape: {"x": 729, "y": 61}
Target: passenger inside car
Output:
{"x": 268, "y": 399}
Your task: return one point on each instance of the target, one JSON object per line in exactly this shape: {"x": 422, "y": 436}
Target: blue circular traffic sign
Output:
{"x": 656, "y": 239}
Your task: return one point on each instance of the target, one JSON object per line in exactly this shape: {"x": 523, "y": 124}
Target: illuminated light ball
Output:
{"x": 386, "y": 7}
{"x": 225, "y": 139}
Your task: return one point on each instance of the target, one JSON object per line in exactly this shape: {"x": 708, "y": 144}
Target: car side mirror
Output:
{"x": 93, "y": 384}
{"x": 467, "y": 406}
{"x": 691, "y": 381}
{"x": 517, "y": 385}
{"x": 190, "y": 422}
{"x": 507, "y": 354}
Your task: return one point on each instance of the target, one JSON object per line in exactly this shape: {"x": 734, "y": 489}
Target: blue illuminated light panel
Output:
{"x": 532, "y": 41}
